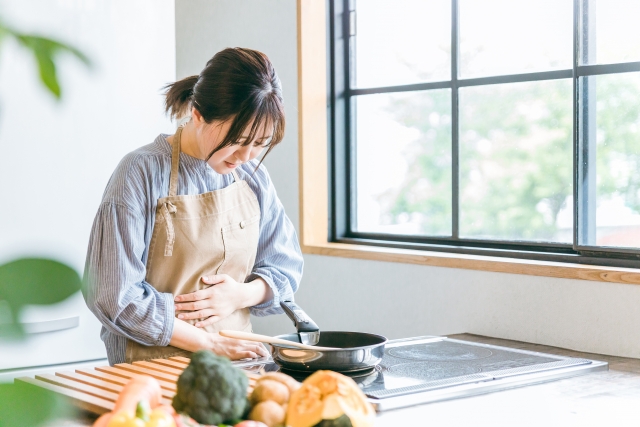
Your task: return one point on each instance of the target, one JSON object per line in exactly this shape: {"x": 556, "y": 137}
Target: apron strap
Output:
{"x": 236, "y": 178}
{"x": 167, "y": 207}
{"x": 166, "y": 210}
{"x": 175, "y": 163}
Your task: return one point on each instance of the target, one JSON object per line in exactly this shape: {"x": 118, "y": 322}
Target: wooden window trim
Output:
{"x": 313, "y": 176}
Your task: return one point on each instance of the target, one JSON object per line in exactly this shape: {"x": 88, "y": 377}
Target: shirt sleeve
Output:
{"x": 279, "y": 259}
{"x": 115, "y": 290}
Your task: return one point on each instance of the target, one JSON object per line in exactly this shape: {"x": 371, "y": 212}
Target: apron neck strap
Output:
{"x": 175, "y": 163}
{"x": 236, "y": 178}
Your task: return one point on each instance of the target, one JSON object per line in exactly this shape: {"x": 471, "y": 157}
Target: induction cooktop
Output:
{"x": 429, "y": 369}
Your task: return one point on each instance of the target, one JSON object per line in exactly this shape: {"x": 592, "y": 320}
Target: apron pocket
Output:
{"x": 240, "y": 241}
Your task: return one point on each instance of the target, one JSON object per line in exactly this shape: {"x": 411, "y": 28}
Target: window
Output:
{"x": 496, "y": 127}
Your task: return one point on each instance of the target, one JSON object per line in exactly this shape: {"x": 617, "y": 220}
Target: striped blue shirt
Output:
{"x": 116, "y": 290}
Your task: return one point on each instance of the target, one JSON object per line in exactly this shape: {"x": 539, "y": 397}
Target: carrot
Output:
{"x": 140, "y": 387}
{"x": 104, "y": 419}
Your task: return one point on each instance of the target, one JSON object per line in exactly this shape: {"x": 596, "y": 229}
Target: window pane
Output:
{"x": 516, "y": 161}
{"x": 618, "y": 160}
{"x": 402, "y": 42}
{"x": 615, "y": 28}
{"x": 515, "y": 36}
{"x": 404, "y": 163}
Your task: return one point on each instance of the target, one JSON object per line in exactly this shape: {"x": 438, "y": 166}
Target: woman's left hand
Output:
{"x": 213, "y": 303}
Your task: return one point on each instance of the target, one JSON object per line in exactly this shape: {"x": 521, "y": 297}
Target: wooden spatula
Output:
{"x": 248, "y": 336}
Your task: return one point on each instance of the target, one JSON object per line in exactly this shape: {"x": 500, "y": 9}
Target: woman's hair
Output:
{"x": 238, "y": 84}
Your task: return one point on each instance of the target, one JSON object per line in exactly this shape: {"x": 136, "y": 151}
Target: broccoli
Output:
{"x": 211, "y": 390}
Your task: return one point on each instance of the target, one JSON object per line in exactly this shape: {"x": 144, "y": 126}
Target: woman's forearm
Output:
{"x": 188, "y": 337}
{"x": 256, "y": 292}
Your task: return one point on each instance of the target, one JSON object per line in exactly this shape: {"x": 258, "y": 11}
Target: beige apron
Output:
{"x": 198, "y": 235}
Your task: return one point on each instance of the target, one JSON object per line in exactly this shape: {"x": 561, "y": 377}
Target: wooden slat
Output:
{"x": 114, "y": 386}
{"x": 77, "y": 386}
{"x": 181, "y": 363}
{"x": 144, "y": 371}
{"x": 167, "y": 385}
{"x": 92, "y": 373}
{"x": 96, "y": 390}
{"x": 80, "y": 400}
{"x": 94, "y": 382}
{"x": 170, "y": 363}
{"x": 158, "y": 367}
{"x": 180, "y": 359}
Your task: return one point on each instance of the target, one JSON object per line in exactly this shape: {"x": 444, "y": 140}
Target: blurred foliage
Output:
{"x": 36, "y": 281}
{"x": 33, "y": 281}
{"x": 427, "y": 187}
{"x": 45, "y": 52}
{"x": 24, "y": 282}
{"x": 26, "y": 405}
{"x": 618, "y": 137}
{"x": 516, "y": 167}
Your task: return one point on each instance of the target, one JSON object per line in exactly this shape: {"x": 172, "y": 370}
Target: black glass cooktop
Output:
{"x": 423, "y": 364}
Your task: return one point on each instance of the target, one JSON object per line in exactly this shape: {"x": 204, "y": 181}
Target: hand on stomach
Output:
{"x": 210, "y": 305}
{"x": 223, "y": 297}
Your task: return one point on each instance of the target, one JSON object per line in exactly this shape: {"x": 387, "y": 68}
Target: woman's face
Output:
{"x": 210, "y": 135}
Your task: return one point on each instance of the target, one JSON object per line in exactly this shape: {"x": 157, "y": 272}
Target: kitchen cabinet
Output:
{"x": 60, "y": 334}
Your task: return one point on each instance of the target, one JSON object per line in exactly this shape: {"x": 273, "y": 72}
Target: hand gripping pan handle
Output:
{"x": 307, "y": 329}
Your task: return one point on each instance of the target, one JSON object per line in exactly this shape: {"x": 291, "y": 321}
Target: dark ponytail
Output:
{"x": 178, "y": 97}
{"x": 239, "y": 84}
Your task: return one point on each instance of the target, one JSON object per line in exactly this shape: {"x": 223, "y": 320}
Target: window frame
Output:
{"x": 341, "y": 152}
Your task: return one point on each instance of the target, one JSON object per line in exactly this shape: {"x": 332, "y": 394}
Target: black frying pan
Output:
{"x": 355, "y": 351}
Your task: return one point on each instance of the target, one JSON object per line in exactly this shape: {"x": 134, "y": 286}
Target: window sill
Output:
{"x": 475, "y": 262}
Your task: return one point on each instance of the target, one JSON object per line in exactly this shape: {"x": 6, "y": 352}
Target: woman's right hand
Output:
{"x": 236, "y": 349}
{"x": 190, "y": 338}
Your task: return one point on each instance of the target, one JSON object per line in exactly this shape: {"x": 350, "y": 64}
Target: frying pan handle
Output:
{"x": 302, "y": 322}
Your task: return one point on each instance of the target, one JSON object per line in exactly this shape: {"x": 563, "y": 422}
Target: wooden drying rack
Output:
{"x": 96, "y": 390}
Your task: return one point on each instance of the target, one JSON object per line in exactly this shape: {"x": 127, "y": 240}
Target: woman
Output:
{"x": 190, "y": 237}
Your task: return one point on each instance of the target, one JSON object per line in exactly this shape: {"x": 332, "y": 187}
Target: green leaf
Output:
{"x": 9, "y": 328}
{"x": 25, "y": 405}
{"x": 34, "y": 281}
{"x": 45, "y": 51}
{"x": 47, "y": 70}
{"x": 143, "y": 409}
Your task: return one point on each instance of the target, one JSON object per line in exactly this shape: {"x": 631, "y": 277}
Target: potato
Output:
{"x": 270, "y": 390}
{"x": 268, "y": 412}
{"x": 285, "y": 379}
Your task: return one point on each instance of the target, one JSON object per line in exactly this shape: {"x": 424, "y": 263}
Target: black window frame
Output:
{"x": 341, "y": 150}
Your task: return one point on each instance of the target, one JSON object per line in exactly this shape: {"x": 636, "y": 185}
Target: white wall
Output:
{"x": 401, "y": 300}
{"x": 55, "y": 159}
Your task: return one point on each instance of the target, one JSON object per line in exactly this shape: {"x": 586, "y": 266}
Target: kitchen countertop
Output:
{"x": 610, "y": 398}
